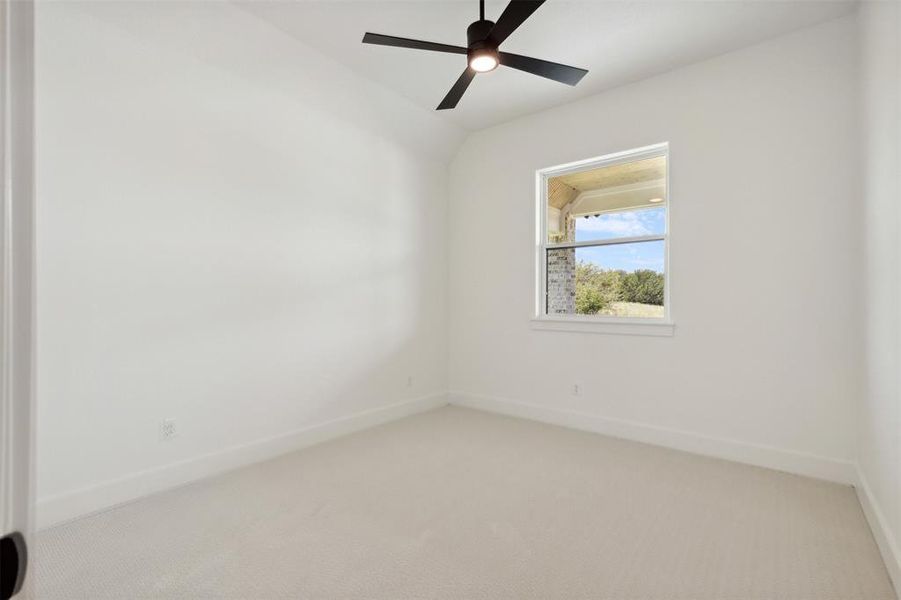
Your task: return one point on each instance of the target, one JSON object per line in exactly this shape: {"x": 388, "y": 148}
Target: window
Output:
{"x": 603, "y": 239}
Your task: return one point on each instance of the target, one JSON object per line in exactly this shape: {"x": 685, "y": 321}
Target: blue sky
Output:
{"x": 628, "y": 257}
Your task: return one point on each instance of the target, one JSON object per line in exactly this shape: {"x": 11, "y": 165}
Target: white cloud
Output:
{"x": 627, "y": 224}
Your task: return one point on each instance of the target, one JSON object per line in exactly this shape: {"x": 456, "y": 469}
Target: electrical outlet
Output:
{"x": 168, "y": 429}
{"x": 409, "y": 381}
{"x": 577, "y": 389}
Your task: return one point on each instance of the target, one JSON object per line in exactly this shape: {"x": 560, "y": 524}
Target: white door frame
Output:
{"x": 17, "y": 267}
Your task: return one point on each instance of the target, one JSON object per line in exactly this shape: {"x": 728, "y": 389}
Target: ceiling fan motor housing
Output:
{"x": 477, "y": 36}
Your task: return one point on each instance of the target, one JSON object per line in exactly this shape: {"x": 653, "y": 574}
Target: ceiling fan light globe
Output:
{"x": 482, "y": 61}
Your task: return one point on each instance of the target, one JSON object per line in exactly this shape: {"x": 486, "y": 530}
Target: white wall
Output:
{"x": 233, "y": 232}
{"x": 879, "y": 435}
{"x": 765, "y": 364}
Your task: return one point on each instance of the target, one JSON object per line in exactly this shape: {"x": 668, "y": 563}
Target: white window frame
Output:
{"x": 596, "y": 323}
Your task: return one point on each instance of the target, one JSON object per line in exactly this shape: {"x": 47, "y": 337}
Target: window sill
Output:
{"x": 623, "y": 326}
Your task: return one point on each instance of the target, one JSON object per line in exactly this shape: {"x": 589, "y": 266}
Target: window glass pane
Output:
{"x": 621, "y": 280}
{"x": 622, "y": 200}
{"x": 630, "y": 223}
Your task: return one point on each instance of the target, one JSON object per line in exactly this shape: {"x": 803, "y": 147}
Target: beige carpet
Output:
{"x": 460, "y": 504}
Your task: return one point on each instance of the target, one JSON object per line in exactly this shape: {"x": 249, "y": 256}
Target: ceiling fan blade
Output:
{"x": 542, "y": 68}
{"x": 456, "y": 92}
{"x": 399, "y": 42}
{"x": 512, "y": 17}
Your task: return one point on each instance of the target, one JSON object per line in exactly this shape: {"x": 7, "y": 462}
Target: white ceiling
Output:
{"x": 617, "y": 40}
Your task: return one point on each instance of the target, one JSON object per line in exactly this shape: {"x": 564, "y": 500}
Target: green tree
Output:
{"x": 590, "y": 301}
{"x": 643, "y": 286}
{"x": 596, "y": 288}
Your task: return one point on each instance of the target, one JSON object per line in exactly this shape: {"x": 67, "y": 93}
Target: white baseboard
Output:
{"x": 66, "y": 506}
{"x": 885, "y": 539}
{"x": 790, "y": 461}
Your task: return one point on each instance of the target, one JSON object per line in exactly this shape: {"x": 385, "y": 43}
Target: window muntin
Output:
{"x": 604, "y": 256}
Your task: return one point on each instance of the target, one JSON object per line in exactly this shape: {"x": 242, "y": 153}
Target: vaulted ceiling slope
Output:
{"x": 619, "y": 41}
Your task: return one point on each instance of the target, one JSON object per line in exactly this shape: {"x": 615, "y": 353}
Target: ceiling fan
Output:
{"x": 483, "y": 38}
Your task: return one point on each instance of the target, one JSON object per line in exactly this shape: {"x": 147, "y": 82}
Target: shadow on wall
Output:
{"x": 249, "y": 250}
